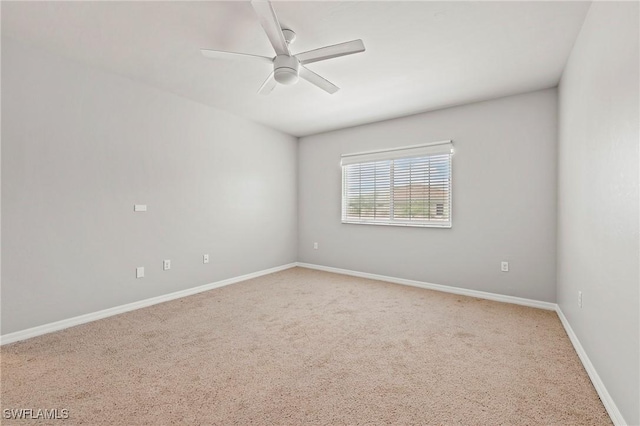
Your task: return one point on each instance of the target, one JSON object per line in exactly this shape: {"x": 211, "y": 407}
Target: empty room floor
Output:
{"x": 304, "y": 346}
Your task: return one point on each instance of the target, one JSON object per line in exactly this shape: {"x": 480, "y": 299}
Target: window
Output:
{"x": 407, "y": 186}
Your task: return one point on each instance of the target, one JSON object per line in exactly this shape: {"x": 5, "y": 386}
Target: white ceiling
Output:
{"x": 419, "y": 56}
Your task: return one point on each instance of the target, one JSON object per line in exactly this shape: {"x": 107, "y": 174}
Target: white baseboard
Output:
{"x": 82, "y": 319}
{"x": 605, "y": 397}
{"x": 439, "y": 287}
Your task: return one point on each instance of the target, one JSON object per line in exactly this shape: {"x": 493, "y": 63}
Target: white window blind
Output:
{"x": 407, "y": 186}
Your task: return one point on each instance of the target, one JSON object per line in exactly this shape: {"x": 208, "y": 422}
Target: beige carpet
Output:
{"x": 308, "y": 347}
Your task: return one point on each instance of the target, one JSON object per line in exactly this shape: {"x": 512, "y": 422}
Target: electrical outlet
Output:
{"x": 315, "y": 246}
{"x": 579, "y": 299}
{"x": 205, "y": 258}
{"x": 140, "y": 272}
{"x": 166, "y": 265}
{"x": 504, "y": 266}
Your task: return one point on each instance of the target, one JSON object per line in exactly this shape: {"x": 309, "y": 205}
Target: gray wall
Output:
{"x": 80, "y": 147}
{"x": 504, "y": 199}
{"x": 598, "y": 213}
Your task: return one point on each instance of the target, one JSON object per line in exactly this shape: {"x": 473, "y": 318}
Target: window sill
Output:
{"x": 405, "y": 224}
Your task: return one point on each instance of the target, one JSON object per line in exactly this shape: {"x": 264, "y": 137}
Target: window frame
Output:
{"x": 379, "y": 155}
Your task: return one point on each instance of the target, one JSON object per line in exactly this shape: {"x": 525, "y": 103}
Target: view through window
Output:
{"x": 407, "y": 186}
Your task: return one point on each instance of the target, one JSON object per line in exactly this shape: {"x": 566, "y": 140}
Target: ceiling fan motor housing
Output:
{"x": 285, "y": 69}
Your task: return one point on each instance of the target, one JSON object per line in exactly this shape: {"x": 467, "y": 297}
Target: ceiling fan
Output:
{"x": 287, "y": 67}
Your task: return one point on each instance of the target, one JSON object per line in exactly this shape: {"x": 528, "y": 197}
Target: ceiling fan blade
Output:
{"x": 316, "y": 80}
{"x": 329, "y": 52}
{"x": 271, "y": 26}
{"x": 268, "y": 85}
{"x": 220, "y": 54}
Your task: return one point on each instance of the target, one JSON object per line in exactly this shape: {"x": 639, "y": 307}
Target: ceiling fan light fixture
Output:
{"x": 285, "y": 76}
{"x": 286, "y": 69}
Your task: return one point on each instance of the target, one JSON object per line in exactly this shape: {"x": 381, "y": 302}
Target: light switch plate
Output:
{"x": 140, "y": 272}
{"x": 139, "y": 207}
